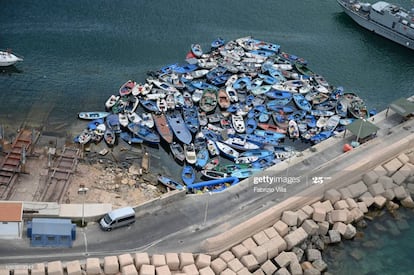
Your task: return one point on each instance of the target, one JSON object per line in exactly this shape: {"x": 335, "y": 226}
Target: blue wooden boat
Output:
{"x": 130, "y": 138}
{"x": 276, "y": 103}
{"x": 190, "y": 116}
{"x": 301, "y": 102}
{"x": 169, "y": 68}
{"x": 170, "y": 183}
{"x": 198, "y": 84}
{"x": 256, "y": 111}
{"x": 337, "y": 92}
{"x": 251, "y": 125}
{"x": 186, "y": 68}
{"x": 188, "y": 175}
{"x": 221, "y": 79}
{"x": 147, "y": 134}
{"x": 202, "y": 158}
{"x": 249, "y": 100}
{"x": 245, "y": 173}
{"x": 233, "y": 108}
{"x": 310, "y": 121}
{"x": 267, "y": 46}
{"x": 269, "y": 134}
{"x": 176, "y": 122}
{"x": 242, "y": 83}
{"x": 281, "y": 109}
{"x": 218, "y": 42}
{"x": 275, "y": 73}
{"x": 264, "y": 117}
{"x": 297, "y": 115}
{"x": 261, "y": 90}
{"x": 321, "y": 113}
{"x": 215, "y": 72}
{"x": 321, "y": 136}
{"x": 327, "y": 105}
{"x": 227, "y": 151}
{"x": 93, "y": 124}
{"x": 93, "y": 115}
{"x": 270, "y": 80}
{"x": 112, "y": 121}
{"x": 196, "y": 50}
{"x": 149, "y": 105}
{"x": 265, "y": 162}
{"x": 178, "y": 152}
{"x": 253, "y": 155}
{"x": 278, "y": 94}
{"x": 217, "y": 185}
{"x": 262, "y": 53}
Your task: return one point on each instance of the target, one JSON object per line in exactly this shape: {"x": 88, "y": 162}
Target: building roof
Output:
{"x": 362, "y": 128}
{"x": 45, "y": 226}
{"x": 11, "y": 211}
{"x": 402, "y": 106}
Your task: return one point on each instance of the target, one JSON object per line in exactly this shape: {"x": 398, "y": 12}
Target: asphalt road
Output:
{"x": 183, "y": 225}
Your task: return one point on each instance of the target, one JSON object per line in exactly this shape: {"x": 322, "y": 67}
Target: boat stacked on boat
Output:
{"x": 238, "y": 101}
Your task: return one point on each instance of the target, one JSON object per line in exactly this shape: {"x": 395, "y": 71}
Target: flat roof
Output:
{"x": 11, "y": 211}
{"x": 50, "y": 226}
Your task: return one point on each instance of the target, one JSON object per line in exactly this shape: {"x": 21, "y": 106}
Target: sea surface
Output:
{"x": 78, "y": 53}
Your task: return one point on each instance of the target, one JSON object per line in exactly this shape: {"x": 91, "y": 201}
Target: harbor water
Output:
{"x": 78, "y": 53}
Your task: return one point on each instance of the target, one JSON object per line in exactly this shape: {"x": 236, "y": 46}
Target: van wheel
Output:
{"x": 109, "y": 229}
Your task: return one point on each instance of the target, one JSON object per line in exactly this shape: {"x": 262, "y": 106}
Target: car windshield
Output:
{"x": 107, "y": 219}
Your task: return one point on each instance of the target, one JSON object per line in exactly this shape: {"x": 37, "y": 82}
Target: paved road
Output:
{"x": 184, "y": 224}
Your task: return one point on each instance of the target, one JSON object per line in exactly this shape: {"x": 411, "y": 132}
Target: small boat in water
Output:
{"x": 7, "y": 58}
{"x": 208, "y": 101}
{"x": 170, "y": 183}
{"x": 213, "y": 174}
{"x": 190, "y": 153}
{"x": 245, "y": 173}
{"x": 178, "y": 151}
{"x": 92, "y": 115}
{"x": 144, "y": 132}
{"x": 188, "y": 175}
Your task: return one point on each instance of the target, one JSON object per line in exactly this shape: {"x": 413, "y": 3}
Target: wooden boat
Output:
{"x": 202, "y": 118}
{"x": 162, "y": 127}
{"x": 231, "y": 92}
{"x": 238, "y": 123}
{"x": 264, "y": 117}
{"x": 303, "y": 69}
{"x": 176, "y": 122}
{"x": 332, "y": 122}
{"x": 253, "y": 155}
{"x": 293, "y": 129}
{"x": 227, "y": 151}
{"x": 149, "y": 105}
{"x": 170, "y": 183}
{"x": 111, "y": 101}
{"x": 190, "y": 116}
{"x": 190, "y": 153}
{"x": 327, "y": 105}
{"x": 196, "y": 50}
{"x": 321, "y": 136}
{"x": 218, "y": 42}
{"x": 132, "y": 104}
{"x": 141, "y": 89}
{"x": 123, "y": 119}
{"x": 203, "y": 85}
{"x": 321, "y": 122}
{"x": 342, "y": 107}
{"x": 199, "y": 73}
{"x": 321, "y": 113}
{"x": 223, "y": 99}
{"x": 134, "y": 117}
{"x": 178, "y": 151}
{"x": 216, "y": 185}
{"x": 269, "y": 134}
{"x": 212, "y": 148}
{"x": 112, "y": 121}
{"x": 278, "y": 94}
{"x": 202, "y": 158}
{"x": 261, "y": 90}
{"x": 242, "y": 83}
{"x": 280, "y": 120}
{"x": 142, "y": 131}
{"x": 188, "y": 174}
{"x": 245, "y": 173}
{"x": 92, "y": 115}
{"x": 271, "y": 127}
{"x": 251, "y": 125}
{"x": 358, "y": 109}
{"x": 301, "y": 102}
{"x": 240, "y": 144}
{"x": 147, "y": 120}
{"x": 197, "y": 95}
{"x": 212, "y": 163}
{"x": 126, "y": 88}
{"x": 277, "y": 103}
{"x": 162, "y": 104}
{"x": 297, "y": 115}
{"x": 213, "y": 174}
{"x": 109, "y": 136}
{"x": 208, "y": 101}
{"x": 188, "y": 101}
{"x": 84, "y": 137}
{"x": 130, "y": 138}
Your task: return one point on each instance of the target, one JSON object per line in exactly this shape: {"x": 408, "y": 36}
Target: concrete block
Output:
{"x": 125, "y": 259}
{"x": 341, "y": 204}
{"x": 334, "y": 236}
{"x": 306, "y": 265}
{"x": 279, "y": 243}
{"x": 129, "y": 270}
{"x": 323, "y": 228}
{"x": 162, "y": 270}
{"x": 239, "y": 251}
{"x": 56, "y": 268}
{"x": 399, "y": 177}
{"x": 313, "y": 254}
{"x": 93, "y": 266}
{"x": 285, "y": 258}
{"x": 319, "y": 214}
{"x": 376, "y": 189}
{"x": 356, "y": 214}
{"x": 363, "y": 207}
{"x": 340, "y": 227}
{"x": 370, "y": 178}
{"x": 312, "y": 271}
{"x": 260, "y": 253}
{"x": 185, "y": 259}
{"x": 367, "y": 198}
{"x": 327, "y": 205}
{"x": 235, "y": 265}
{"x": 270, "y": 232}
{"x": 111, "y": 265}
{"x": 407, "y": 170}
{"x": 339, "y": 215}
{"x": 379, "y": 201}
{"x": 141, "y": 259}
{"x": 281, "y": 227}
{"x": 310, "y": 227}
{"x": 407, "y": 202}
{"x": 308, "y": 210}
{"x": 258, "y": 272}
{"x": 19, "y": 271}
{"x": 190, "y": 269}
{"x": 357, "y": 189}
{"x": 249, "y": 243}
{"x": 37, "y": 269}
{"x": 271, "y": 249}
{"x": 218, "y": 265}
{"x": 158, "y": 260}
{"x": 227, "y": 256}
{"x": 410, "y": 187}
{"x": 250, "y": 262}
{"x": 386, "y": 181}
{"x": 72, "y": 268}
{"x": 345, "y": 193}
{"x": 302, "y": 216}
{"x": 295, "y": 237}
{"x": 228, "y": 271}
{"x": 203, "y": 260}
{"x": 392, "y": 166}
{"x": 332, "y": 195}
{"x": 290, "y": 218}
{"x": 380, "y": 171}
{"x": 206, "y": 271}
{"x": 244, "y": 271}
{"x": 282, "y": 271}
{"x": 173, "y": 261}
{"x": 146, "y": 269}
{"x": 400, "y": 192}
{"x": 260, "y": 238}
{"x": 403, "y": 158}
{"x": 268, "y": 267}
{"x": 351, "y": 203}
{"x": 320, "y": 265}
{"x": 350, "y": 232}
{"x": 389, "y": 194}
{"x": 295, "y": 268}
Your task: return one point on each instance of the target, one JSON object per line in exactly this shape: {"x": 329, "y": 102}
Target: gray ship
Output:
{"x": 385, "y": 19}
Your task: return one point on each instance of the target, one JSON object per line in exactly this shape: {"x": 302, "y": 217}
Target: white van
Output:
{"x": 117, "y": 218}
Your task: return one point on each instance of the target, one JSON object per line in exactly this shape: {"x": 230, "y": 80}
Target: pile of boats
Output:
{"x": 239, "y": 101}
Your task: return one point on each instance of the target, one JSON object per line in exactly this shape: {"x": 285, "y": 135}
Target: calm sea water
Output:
{"x": 78, "y": 53}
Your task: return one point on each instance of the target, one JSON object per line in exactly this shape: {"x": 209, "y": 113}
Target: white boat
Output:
{"x": 197, "y": 95}
{"x": 111, "y": 101}
{"x": 141, "y": 89}
{"x": 123, "y": 119}
{"x": 190, "y": 153}
{"x": 134, "y": 117}
{"x": 293, "y": 129}
{"x": 8, "y": 59}
{"x": 162, "y": 104}
{"x": 227, "y": 151}
{"x": 147, "y": 120}
{"x": 238, "y": 123}
{"x": 212, "y": 148}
